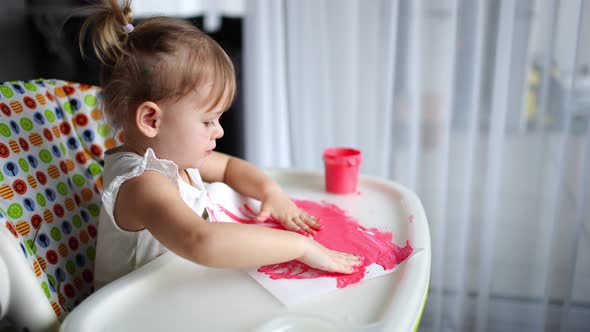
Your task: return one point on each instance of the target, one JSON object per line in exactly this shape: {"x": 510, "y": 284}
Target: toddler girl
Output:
{"x": 165, "y": 85}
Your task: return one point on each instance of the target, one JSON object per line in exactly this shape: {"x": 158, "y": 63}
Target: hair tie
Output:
{"x": 128, "y": 27}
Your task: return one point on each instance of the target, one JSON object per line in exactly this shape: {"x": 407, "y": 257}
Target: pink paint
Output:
{"x": 249, "y": 217}
{"x": 234, "y": 217}
{"x": 338, "y": 232}
{"x": 247, "y": 207}
{"x": 342, "y": 233}
{"x": 245, "y": 212}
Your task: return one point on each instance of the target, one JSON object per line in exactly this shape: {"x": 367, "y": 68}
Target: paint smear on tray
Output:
{"x": 343, "y": 233}
{"x": 339, "y": 232}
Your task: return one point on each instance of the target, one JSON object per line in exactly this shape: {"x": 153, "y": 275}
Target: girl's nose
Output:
{"x": 219, "y": 131}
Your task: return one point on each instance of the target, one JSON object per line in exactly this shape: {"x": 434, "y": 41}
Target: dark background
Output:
{"x": 40, "y": 40}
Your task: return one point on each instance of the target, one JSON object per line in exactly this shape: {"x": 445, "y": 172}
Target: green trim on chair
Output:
{"x": 417, "y": 323}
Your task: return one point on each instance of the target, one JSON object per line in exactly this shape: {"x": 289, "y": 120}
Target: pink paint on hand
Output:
{"x": 342, "y": 233}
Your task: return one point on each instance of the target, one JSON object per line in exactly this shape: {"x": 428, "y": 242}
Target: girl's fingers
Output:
{"x": 355, "y": 260}
{"x": 346, "y": 269}
{"x": 349, "y": 268}
{"x": 350, "y": 260}
{"x": 263, "y": 215}
{"x": 311, "y": 221}
{"x": 291, "y": 226}
{"x": 302, "y": 225}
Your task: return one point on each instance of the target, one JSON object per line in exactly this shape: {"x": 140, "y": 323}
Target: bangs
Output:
{"x": 223, "y": 84}
{"x": 205, "y": 69}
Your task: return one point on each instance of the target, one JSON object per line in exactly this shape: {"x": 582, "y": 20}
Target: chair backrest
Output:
{"x": 52, "y": 141}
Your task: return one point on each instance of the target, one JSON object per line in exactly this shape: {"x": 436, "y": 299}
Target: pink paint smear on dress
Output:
{"x": 342, "y": 233}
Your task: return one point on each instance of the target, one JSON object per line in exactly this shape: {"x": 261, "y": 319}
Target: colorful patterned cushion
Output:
{"x": 52, "y": 140}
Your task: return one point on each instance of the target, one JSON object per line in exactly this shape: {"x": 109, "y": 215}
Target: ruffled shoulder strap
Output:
{"x": 122, "y": 166}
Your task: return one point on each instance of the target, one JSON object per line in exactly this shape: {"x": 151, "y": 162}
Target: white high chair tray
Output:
{"x": 171, "y": 293}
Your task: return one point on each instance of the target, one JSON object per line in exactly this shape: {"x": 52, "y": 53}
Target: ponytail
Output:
{"x": 111, "y": 23}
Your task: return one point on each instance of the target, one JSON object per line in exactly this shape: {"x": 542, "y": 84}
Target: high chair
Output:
{"x": 52, "y": 141}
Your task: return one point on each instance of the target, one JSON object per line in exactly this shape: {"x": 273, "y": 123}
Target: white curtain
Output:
{"x": 480, "y": 107}
{"x": 211, "y": 10}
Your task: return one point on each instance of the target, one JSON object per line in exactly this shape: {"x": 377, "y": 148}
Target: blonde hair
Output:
{"x": 161, "y": 60}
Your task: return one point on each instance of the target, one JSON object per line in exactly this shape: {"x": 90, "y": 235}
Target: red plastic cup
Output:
{"x": 342, "y": 169}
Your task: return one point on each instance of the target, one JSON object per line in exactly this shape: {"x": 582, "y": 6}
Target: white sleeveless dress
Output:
{"x": 118, "y": 251}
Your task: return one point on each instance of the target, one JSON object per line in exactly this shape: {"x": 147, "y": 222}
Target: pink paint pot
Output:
{"x": 342, "y": 169}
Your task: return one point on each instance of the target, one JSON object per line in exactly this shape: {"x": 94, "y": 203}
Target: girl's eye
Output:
{"x": 210, "y": 123}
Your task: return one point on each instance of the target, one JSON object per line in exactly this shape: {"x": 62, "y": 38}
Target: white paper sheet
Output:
{"x": 226, "y": 205}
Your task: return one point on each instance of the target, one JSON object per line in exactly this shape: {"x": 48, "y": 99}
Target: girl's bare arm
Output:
{"x": 151, "y": 201}
{"x": 239, "y": 174}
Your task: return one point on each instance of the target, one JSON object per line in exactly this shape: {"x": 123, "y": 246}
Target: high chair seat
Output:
{"x": 52, "y": 141}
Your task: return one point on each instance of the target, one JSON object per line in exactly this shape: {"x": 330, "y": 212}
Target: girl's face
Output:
{"x": 188, "y": 131}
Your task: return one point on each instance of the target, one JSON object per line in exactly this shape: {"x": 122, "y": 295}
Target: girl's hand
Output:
{"x": 322, "y": 258}
{"x": 278, "y": 206}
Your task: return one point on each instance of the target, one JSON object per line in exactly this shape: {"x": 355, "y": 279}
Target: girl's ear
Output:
{"x": 148, "y": 118}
